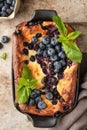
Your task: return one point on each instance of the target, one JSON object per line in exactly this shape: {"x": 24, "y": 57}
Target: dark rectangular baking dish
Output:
{"x": 43, "y": 121}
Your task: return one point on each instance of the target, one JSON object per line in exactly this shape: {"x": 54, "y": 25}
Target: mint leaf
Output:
{"x": 4, "y": 56}
{"x": 26, "y": 73}
{"x": 23, "y": 95}
{"x": 72, "y": 51}
{"x": 26, "y": 84}
{"x": 61, "y": 27}
{"x": 73, "y": 35}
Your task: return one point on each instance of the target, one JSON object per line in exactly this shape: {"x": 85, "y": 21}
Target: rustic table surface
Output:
{"x": 71, "y": 11}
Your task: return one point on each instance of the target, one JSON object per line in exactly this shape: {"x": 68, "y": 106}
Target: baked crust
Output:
{"x": 66, "y": 86}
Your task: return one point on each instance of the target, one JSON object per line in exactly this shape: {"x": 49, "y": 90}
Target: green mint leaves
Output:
{"x": 71, "y": 49}
{"x": 26, "y": 83}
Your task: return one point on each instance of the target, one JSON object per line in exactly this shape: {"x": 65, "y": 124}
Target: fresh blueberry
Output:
{"x": 9, "y": 1}
{"x": 57, "y": 48}
{"x": 33, "y": 95}
{"x": 53, "y": 57}
{"x": 57, "y": 64}
{"x": 45, "y": 40}
{"x": 41, "y": 105}
{"x": 1, "y": 5}
{"x": 44, "y": 70}
{"x": 49, "y": 96}
{"x": 38, "y": 99}
{"x": 34, "y": 39}
{"x": 1, "y": 45}
{"x": 38, "y": 35}
{"x": 54, "y": 41}
{"x": 37, "y": 91}
{"x": 12, "y": 8}
{"x": 49, "y": 46}
{"x": 63, "y": 62}
{"x": 40, "y": 52}
{"x": 32, "y": 58}
{"x": 5, "y": 39}
{"x": 42, "y": 46}
{"x": 13, "y": 3}
{"x": 7, "y": 5}
{"x": 31, "y": 102}
{"x": 51, "y": 51}
{"x": 25, "y": 44}
{"x": 45, "y": 54}
{"x": 25, "y": 51}
{"x": 9, "y": 11}
{"x": 4, "y": 14}
{"x": 30, "y": 23}
{"x": 4, "y": 8}
{"x": 61, "y": 55}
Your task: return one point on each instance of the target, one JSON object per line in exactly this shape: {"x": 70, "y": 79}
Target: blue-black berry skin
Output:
{"x": 5, "y": 39}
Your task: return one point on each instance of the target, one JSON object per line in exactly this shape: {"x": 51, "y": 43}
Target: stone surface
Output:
{"x": 71, "y": 11}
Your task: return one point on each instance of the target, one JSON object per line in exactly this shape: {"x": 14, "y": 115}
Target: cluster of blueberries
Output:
{"x": 6, "y": 7}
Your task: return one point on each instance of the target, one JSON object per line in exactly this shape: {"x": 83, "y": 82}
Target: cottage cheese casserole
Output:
{"x": 35, "y": 45}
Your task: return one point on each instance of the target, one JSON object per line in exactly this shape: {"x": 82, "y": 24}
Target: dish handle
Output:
{"x": 43, "y": 15}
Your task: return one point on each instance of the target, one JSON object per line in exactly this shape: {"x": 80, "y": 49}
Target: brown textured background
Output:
{"x": 71, "y": 11}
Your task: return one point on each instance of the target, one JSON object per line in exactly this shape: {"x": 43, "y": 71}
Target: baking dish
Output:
{"x": 43, "y": 121}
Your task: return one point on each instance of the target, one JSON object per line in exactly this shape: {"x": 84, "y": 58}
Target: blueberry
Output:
{"x": 34, "y": 39}
{"x": 26, "y": 61}
{"x": 63, "y": 62}
{"x": 12, "y": 8}
{"x": 38, "y": 35}
{"x": 37, "y": 91}
{"x": 1, "y": 5}
{"x": 33, "y": 95}
{"x": 53, "y": 57}
{"x": 51, "y": 51}
{"x": 45, "y": 40}
{"x": 30, "y": 23}
{"x": 61, "y": 55}
{"x": 56, "y": 70}
{"x": 49, "y": 46}
{"x": 40, "y": 52}
{"x": 31, "y": 102}
{"x": 9, "y": 11}
{"x": 57, "y": 48}
{"x": 9, "y": 1}
{"x": 32, "y": 58}
{"x": 38, "y": 99}
{"x": 18, "y": 32}
{"x": 45, "y": 54}
{"x": 4, "y": 8}
{"x": 41, "y": 105}
{"x": 7, "y": 5}
{"x": 53, "y": 80}
{"x": 42, "y": 46}
{"x": 49, "y": 95}
{"x": 30, "y": 46}
{"x": 4, "y": 14}
{"x": 13, "y": 3}
{"x": 44, "y": 70}
{"x": 1, "y": 45}
{"x": 5, "y": 39}
{"x": 25, "y": 51}
{"x": 57, "y": 64}
{"x": 25, "y": 44}
{"x": 54, "y": 41}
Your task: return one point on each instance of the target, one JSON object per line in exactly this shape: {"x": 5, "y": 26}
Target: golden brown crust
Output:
{"x": 66, "y": 86}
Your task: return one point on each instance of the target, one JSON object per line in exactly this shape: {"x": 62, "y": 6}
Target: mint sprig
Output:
{"x": 26, "y": 83}
{"x": 70, "y": 47}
